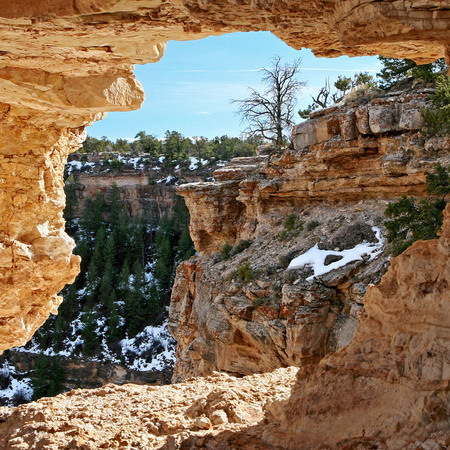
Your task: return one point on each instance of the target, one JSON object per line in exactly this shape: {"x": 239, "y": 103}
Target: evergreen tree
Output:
{"x": 71, "y": 203}
{"x": 136, "y": 305}
{"x": 115, "y": 208}
{"x": 164, "y": 256}
{"x": 437, "y": 117}
{"x": 89, "y": 333}
{"x": 395, "y": 70}
{"x": 185, "y": 246}
{"x": 107, "y": 284}
{"x": 114, "y": 331}
{"x": 48, "y": 377}
{"x": 92, "y": 219}
{"x": 411, "y": 221}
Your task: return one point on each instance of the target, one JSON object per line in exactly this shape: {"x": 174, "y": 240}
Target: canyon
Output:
{"x": 387, "y": 387}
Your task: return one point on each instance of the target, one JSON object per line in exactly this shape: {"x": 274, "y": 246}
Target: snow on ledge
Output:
{"x": 315, "y": 257}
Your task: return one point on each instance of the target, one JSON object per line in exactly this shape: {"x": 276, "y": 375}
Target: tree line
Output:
{"x": 176, "y": 148}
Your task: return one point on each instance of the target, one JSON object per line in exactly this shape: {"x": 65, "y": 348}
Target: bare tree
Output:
{"x": 269, "y": 114}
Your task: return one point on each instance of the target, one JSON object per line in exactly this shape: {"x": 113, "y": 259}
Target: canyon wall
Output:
{"x": 252, "y": 311}
{"x": 146, "y": 187}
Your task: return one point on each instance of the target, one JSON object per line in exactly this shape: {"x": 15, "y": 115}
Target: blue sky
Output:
{"x": 190, "y": 88}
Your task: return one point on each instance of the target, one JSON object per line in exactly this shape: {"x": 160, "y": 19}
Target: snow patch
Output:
{"x": 16, "y": 388}
{"x": 153, "y": 349}
{"x": 196, "y": 163}
{"x": 315, "y": 257}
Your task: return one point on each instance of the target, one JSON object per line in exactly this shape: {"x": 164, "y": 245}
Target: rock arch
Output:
{"x": 64, "y": 64}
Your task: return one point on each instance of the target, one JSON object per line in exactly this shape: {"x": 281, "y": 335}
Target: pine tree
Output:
{"x": 114, "y": 331}
{"x": 48, "y": 377}
{"x": 107, "y": 284}
{"x": 115, "y": 207}
{"x": 164, "y": 261}
{"x": 71, "y": 203}
{"x": 96, "y": 262}
{"x": 185, "y": 246}
{"x": 411, "y": 221}
{"x": 89, "y": 333}
{"x": 136, "y": 303}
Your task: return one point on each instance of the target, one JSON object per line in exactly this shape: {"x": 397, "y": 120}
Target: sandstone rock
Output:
{"x": 219, "y": 417}
{"x": 133, "y": 416}
{"x": 305, "y": 135}
{"x": 203, "y": 423}
{"x": 366, "y": 156}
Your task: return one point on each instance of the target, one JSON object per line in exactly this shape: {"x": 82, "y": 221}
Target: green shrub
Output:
{"x": 242, "y": 245}
{"x": 412, "y": 221}
{"x": 284, "y": 261}
{"x": 313, "y": 224}
{"x": 289, "y": 223}
{"x": 245, "y": 272}
{"x": 290, "y": 276}
{"x": 116, "y": 164}
{"x": 225, "y": 253}
{"x": 437, "y": 118}
{"x": 282, "y": 235}
{"x": 270, "y": 270}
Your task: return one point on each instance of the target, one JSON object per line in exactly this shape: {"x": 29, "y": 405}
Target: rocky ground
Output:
{"x": 143, "y": 417}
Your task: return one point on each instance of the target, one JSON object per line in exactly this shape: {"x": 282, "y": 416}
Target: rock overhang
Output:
{"x": 63, "y": 65}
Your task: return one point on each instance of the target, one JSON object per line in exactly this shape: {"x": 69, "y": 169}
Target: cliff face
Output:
{"x": 36, "y": 258}
{"x": 388, "y": 388}
{"x": 146, "y": 188}
{"x": 325, "y": 198}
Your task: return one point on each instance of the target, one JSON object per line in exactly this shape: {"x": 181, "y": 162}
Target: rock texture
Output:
{"x": 36, "y": 258}
{"x": 64, "y": 64}
{"x": 348, "y": 162}
{"x": 389, "y": 388}
{"x": 143, "y": 417}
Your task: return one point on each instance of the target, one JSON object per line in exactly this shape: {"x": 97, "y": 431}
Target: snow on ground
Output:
{"x": 77, "y": 165}
{"x": 140, "y": 354}
{"x": 166, "y": 180}
{"x": 15, "y": 388}
{"x": 315, "y": 257}
{"x": 196, "y": 163}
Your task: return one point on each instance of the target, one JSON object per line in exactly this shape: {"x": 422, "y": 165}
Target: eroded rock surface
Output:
{"x": 64, "y": 64}
{"x": 143, "y": 417}
{"x": 251, "y": 313}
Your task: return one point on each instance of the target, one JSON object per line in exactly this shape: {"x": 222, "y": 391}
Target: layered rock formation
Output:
{"x": 146, "y": 188}
{"x": 389, "y": 388}
{"x": 252, "y": 313}
{"x": 36, "y": 258}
